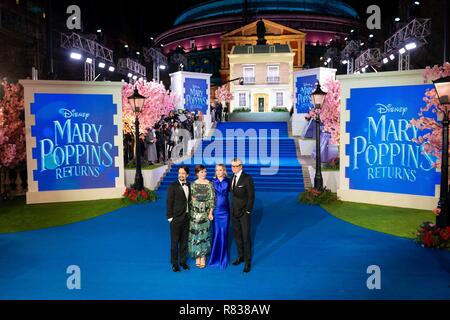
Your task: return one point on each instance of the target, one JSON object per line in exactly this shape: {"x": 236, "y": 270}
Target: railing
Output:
{"x": 249, "y": 80}
{"x": 273, "y": 79}
{"x": 13, "y": 182}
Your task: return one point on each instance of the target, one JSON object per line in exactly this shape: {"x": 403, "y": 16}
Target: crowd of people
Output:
{"x": 158, "y": 143}
{"x": 218, "y": 112}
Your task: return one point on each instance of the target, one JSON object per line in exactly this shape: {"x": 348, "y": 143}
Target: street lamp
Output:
{"x": 318, "y": 96}
{"x": 137, "y": 101}
{"x": 442, "y": 87}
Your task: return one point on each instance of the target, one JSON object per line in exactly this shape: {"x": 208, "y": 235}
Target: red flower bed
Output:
{"x": 136, "y": 196}
{"x": 430, "y": 236}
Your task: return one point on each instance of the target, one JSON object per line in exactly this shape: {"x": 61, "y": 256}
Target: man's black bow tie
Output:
{"x": 184, "y": 184}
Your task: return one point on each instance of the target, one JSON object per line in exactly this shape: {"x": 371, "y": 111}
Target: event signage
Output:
{"x": 74, "y": 141}
{"x": 304, "y": 86}
{"x": 383, "y": 154}
{"x": 196, "y": 95}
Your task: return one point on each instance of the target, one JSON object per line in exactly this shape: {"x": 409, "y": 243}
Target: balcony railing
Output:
{"x": 249, "y": 80}
{"x": 273, "y": 79}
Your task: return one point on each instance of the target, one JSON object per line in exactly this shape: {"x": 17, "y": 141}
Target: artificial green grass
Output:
{"x": 395, "y": 221}
{"x": 329, "y": 169}
{"x": 16, "y": 215}
{"x": 144, "y": 167}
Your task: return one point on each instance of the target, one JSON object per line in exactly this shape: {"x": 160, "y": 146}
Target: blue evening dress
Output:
{"x": 219, "y": 252}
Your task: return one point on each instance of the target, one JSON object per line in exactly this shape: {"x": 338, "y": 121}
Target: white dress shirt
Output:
{"x": 237, "y": 176}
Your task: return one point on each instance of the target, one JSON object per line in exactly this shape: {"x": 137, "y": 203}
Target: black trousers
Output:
{"x": 160, "y": 152}
{"x": 179, "y": 233}
{"x": 241, "y": 228}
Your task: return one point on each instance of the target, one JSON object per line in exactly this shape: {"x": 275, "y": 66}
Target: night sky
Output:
{"x": 141, "y": 19}
{"x": 134, "y": 22}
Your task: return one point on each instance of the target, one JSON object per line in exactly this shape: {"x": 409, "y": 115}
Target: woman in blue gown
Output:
{"x": 219, "y": 253}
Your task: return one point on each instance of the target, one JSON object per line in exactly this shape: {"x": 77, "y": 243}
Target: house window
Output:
{"x": 242, "y": 100}
{"x": 249, "y": 74}
{"x": 192, "y": 43}
{"x": 250, "y": 49}
{"x": 273, "y": 74}
{"x": 280, "y": 102}
{"x": 272, "y": 49}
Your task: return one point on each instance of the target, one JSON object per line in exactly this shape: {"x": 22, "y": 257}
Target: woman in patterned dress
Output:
{"x": 201, "y": 214}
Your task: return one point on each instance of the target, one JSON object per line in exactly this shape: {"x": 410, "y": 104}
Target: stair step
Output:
{"x": 287, "y": 179}
{"x": 262, "y": 184}
{"x": 252, "y": 173}
{"x": 255, "y": 175}
{"x": 246, "y": 169}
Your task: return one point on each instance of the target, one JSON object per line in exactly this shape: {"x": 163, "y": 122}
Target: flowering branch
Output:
{"x": 12, "y": 126}
{"x": 159, "y": 102}
{"x": 427, "y": 122}
{"x": 223, "y": 94}
{"x": 330, "y": 114}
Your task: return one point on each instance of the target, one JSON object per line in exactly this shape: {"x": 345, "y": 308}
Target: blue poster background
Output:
{"x": 382, "y": 155}
{"x": 196, "y": 95}
{"x": 74, "y": 141}
{"x": 303, "y": 88}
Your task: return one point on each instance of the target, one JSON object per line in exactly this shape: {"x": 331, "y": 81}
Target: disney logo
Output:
{"x": 73, "y": 114}
{"x": 383, "y": 109}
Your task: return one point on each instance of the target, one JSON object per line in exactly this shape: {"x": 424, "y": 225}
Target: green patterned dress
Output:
{"x": 199, "y": 227}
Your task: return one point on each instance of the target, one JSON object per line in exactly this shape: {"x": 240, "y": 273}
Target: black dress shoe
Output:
{"x": 184, "y": 266}
{"x": 175, "y": 268}
{"x": 238, "y": 261}
{"x": 247, "y": 268}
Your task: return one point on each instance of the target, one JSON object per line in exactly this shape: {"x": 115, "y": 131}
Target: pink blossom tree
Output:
{"x": 428, "y": 121}
{"x": 223, "y": 94}
{"x": 330, "y": 114}
{"x": 159, "y": 102}
{"x": 12, "y": 126}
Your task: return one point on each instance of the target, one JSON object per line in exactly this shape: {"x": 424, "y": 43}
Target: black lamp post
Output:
{"x": 442, "y": 87}
{"x": 318, "y": 98}
{"x": 241, "y": 82}
{"x": 137, "y": 101}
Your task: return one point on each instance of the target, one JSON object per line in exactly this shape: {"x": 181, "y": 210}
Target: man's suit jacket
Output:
{"x": 176, "y": 201}
{"x": 243, "y": 196}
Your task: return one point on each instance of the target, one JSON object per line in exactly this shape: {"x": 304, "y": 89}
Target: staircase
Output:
{"x": 289, "y": 175}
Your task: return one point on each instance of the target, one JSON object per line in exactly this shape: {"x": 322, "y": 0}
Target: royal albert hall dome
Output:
{"x": 203, "y": 24}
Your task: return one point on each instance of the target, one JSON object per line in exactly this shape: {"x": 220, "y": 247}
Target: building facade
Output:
{"x": 267, "y": 74}
{"x": 205, "y": 61}
{"x": 275, "y": 34}
{"x": 203, "y": 25}
{"x": 214, "y": 27}
{"x": 23, "y": 38}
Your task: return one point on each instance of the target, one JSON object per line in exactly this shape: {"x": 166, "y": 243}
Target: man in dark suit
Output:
{"x": 219, "y": 111}
{"x": 243, "y": 197}
{"x": 178, "y": 200}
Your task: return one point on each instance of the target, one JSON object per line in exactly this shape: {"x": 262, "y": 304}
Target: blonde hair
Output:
{"x": 224, "y": 169}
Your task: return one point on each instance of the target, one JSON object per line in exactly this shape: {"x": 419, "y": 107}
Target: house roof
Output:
{"x": 278, "y": 48}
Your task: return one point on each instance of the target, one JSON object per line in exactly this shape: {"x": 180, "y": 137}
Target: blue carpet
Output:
{"x": 300, "y": 252}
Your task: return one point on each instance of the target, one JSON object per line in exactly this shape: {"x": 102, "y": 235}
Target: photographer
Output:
{"x": 226, "y": 111}
{"x": 171, "y": 118}
{"x": 174, "y": 137}
{"x": 166, "y": 133}
{"x": 151, "y": 151}
{"x": 160, "y": 144}
{"x": 219, "y": 112}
